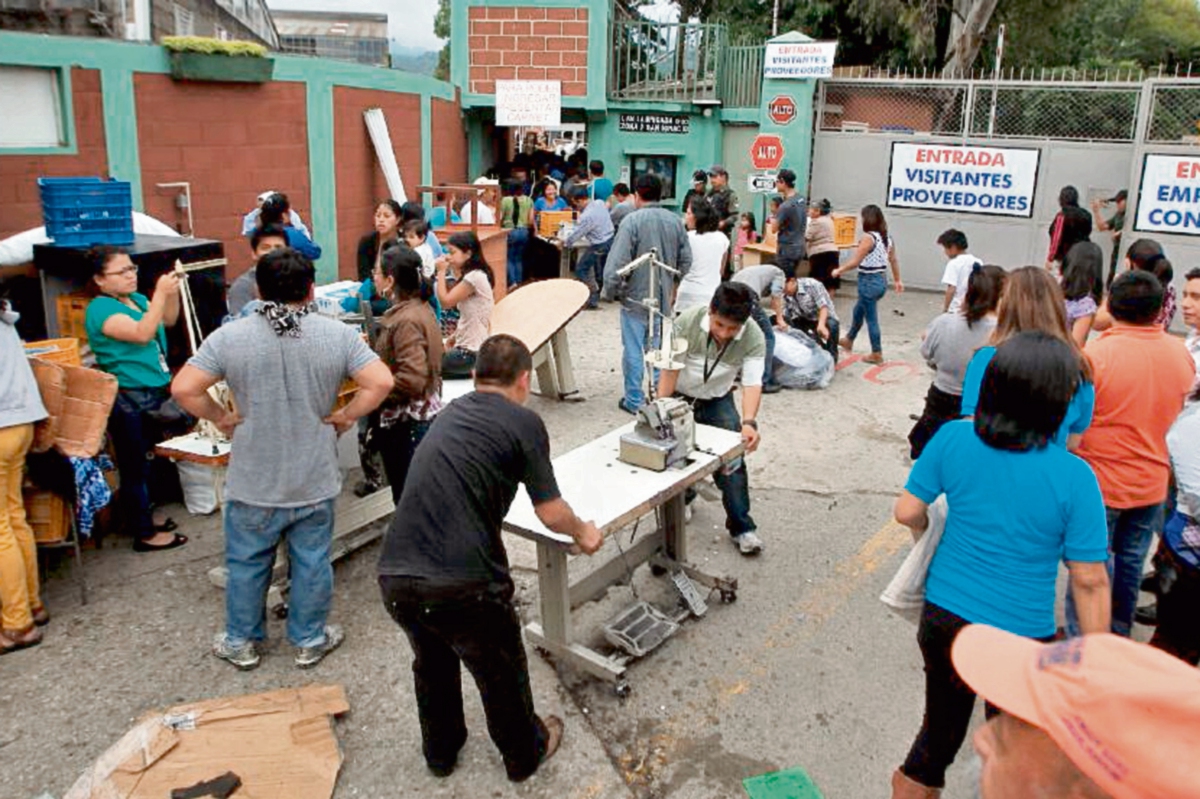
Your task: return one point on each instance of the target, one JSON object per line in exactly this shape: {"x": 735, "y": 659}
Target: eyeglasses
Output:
{"x": 129, "y": 270}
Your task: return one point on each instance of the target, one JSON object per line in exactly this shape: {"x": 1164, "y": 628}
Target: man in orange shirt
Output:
{"x": 1142, "y": 376}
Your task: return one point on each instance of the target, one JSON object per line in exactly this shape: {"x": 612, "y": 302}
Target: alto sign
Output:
{"x": 782, "y": 110}
{"x": 766, "y": 152}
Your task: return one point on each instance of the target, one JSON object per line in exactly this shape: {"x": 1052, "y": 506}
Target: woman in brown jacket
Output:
{"x": 410, "y": 343}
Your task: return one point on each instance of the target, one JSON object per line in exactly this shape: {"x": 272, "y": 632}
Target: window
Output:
{"x": 661, "y": 165}
{"x": 185, "y": 23}
{"x": 37, "y": 92}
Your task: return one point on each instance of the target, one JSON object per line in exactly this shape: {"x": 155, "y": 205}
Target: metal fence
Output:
{"x": 1011, "y": 108}
{"x": 664, "y": 61}
{"x": 739, "y": 82}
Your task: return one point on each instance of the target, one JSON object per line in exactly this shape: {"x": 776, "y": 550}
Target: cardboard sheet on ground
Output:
{"x": 280, "y": 743}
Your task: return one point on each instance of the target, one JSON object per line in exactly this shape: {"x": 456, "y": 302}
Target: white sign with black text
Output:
{"x": 761, "y": 182}
{"x": 1169, "y": 199}
{"x": 797, "y": 60}
{"x": 999, "y": 181}
{"x": 521, "y": 103}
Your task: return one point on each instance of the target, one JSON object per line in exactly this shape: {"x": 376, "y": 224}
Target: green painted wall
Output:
{"x": 797, "y": 135}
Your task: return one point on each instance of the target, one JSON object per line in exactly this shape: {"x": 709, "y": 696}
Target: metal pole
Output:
{"x": 996, "y": 81}
{"x": 775, "y": 20}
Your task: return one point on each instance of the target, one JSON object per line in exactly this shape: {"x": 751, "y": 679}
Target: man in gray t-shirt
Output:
{"x": 284, "y": 367}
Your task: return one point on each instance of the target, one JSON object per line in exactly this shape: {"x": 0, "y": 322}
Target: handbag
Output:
{"x": 905, "y": 594}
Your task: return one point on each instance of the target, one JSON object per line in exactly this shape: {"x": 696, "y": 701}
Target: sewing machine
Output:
{"x": 664, "y": 435}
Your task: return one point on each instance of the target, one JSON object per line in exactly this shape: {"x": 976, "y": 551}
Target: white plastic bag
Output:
{"x": 800, "y": 362}
{"x": 199, "y": 485}
{"x": 905, "y": 594}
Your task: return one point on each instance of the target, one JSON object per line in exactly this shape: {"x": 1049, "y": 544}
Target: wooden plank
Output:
{"x": 537, "y": 311}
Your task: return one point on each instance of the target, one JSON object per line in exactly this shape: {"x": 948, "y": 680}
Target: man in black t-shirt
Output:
{"x": 444, "y": 571}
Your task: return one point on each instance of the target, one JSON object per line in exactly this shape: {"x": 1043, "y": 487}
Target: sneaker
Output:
{"x": 748, "y": 543}
{"x": 625, "y": 406}
{"x": 243, "y": 656}
{"x": 309, "y": 656}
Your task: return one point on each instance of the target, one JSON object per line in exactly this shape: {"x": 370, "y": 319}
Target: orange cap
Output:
{"x": 1126, "y": 714}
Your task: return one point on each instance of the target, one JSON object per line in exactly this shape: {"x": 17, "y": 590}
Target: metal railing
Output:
{"x": 739, "y": 80}
{"x": 665, "y": 61}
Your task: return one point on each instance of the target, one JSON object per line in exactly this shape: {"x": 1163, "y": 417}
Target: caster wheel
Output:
{"x": 280, "y": 612}
{"x": 622, "y": 690}
{"x": 729, "y": 597}
{"x": 657, "y": 571}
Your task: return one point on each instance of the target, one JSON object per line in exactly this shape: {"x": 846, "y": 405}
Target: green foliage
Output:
{"x": 441, "y": 29}
{"x": 203, "y": 44}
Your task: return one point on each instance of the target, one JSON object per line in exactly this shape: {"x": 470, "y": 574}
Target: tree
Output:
{"x": 441, "y": 29}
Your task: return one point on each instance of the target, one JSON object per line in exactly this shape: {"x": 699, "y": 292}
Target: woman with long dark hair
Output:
{"x": 950, "y": 342}
{"x": 1071, "y": 225}
{"x": 516, "y": 216}
{"x": 997, "y": 561}
{"x": 1083, "y": 288}
{"x": 1033, "y": 302}
{"x": 471, "y": 295}
{"x": 875, "y": 253}
{"x": 388, "y": 219}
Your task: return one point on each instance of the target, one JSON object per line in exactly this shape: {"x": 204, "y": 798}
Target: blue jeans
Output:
{"x": 871, "y": 289}
{"x": 633, "y": 356}
{"x": 518, "y": 240}
{"x": 589, "y": 269}
{"x": 1129, "y": 534}
{"x": 768, "y": 329}
{"x": 733, "y": 482}
{"x": 251, "y": 536}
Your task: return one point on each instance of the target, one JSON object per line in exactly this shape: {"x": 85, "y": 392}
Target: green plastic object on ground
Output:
{"x": 792, "y": 783}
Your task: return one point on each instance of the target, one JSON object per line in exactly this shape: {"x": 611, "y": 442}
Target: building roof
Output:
{"x": 331, "y": 23}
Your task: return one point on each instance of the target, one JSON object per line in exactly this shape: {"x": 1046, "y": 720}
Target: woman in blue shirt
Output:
{"x": 997, "y": 560}
{"x": 277, "y": 211}
{"x": 547, "y": 200}
{"x": 1033, "y": 301}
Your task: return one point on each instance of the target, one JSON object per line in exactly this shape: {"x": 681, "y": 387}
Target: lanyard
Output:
{"x": 720, "y": 354}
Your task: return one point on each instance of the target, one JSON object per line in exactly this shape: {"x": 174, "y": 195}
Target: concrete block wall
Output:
{"x": 360, "y": 182}
{"x": 20, "y": 205}
{"x": 527, "y": 43}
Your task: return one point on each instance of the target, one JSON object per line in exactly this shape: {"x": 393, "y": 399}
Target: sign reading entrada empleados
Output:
{"x": 963, "y": 179}
{"x": 1169, "y": 200}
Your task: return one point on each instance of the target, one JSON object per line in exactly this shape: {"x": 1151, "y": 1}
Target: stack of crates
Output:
{"x": 81, "y": 212}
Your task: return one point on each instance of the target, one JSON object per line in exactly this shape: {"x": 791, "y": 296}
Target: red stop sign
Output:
{"x": 766, "y": 152}
{"x": 782, "y": 110}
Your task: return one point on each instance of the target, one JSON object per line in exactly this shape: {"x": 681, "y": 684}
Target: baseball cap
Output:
{"x": 262, "y": 198}
{"x": 717, "y": 169}
{"x": 1116, "y": 198}
{"x": 1126, "y": 714}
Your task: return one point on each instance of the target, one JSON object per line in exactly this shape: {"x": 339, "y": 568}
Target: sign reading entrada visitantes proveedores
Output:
{"x": 797, "y": 60}
{"x": 963, "y": 179}
{"x": 679, "y": 124}
{"x": 1169, "y": 200}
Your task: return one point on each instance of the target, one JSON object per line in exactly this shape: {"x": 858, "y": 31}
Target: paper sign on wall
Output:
{"x": 799, "y": 60}
{"x": 528, "y": 102}
{"x": 963, "y": 179}
{"x": 1169, "y": 200}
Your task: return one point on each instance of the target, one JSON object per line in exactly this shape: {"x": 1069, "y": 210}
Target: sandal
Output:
{"x": 41, "y": 616}
{"x": 14, "y": 640}
{"x": 141, "y": 546}
{"x": 554, "y": 736}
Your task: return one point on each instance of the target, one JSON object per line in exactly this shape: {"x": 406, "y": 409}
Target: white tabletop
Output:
{"x": 612, "y": 493}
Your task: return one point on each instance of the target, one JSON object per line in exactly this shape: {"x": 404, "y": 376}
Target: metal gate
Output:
{"x": 1091, "y": 134}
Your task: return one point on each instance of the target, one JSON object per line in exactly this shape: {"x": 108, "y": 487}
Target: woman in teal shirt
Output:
{"x": 125, "y": 332}
{"x": 1018, "y": 507}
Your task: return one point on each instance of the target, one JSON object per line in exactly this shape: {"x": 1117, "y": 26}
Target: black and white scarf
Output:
{"x": 285, "y": 319}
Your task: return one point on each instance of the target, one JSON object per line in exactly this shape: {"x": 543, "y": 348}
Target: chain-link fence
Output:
{"x": 1011, "y": 109}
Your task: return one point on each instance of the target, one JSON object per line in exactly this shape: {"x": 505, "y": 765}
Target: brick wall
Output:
{"x": 360, "y": 183}
{"x": 525, "y": 43}
{"x": 20, "y": 206}
{"x": 231, "y": 141}
{"x": 449, "y": 143}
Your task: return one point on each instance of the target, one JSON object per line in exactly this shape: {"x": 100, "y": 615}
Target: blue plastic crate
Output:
{"x": 80, "y": 212}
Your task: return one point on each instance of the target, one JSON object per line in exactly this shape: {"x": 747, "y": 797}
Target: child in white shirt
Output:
{"x": 958, "y": 268}
{"x": 415, "y": 234}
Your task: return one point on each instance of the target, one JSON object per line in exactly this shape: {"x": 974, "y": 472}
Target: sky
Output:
{"x": 410, "y": 22}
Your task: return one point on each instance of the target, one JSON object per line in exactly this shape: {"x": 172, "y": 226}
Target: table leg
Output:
{"x": 547, "y": 373}
{"x": 555, "y": 593}
{"x": 675, "y": 528}
{"x": 560, "y": 345}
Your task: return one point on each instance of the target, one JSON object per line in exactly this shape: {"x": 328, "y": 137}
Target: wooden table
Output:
{"x": 538, "y": 314}
{"x": 614, "y": 494}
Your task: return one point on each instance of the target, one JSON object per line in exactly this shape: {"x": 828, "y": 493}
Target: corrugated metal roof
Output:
{"x": 331, "y": 23}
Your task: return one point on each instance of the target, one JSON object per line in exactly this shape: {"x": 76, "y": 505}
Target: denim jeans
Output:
{"x": 252, "y": 533}
{"x": 768, "y": 329}
{"x": 134, "y": 435}
{"x": 733, "y": 482}
{"x": 518, "y": 240}
{"x": 871, "y": 288}
{"x": 633, "y": 356}
{"x": 589, "y": 269}
{"x": 479, "y": 629}
{"x": 1129, "y": 534}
